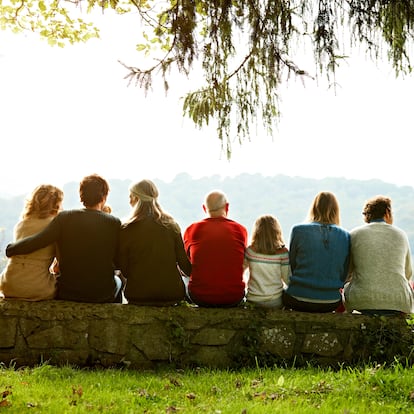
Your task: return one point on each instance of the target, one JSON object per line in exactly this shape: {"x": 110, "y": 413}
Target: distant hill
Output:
{"x": 249, "y": 195}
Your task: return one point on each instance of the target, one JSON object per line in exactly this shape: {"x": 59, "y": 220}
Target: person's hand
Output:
{"x": 54, "y": 267}
{"x": 8, "y": 248}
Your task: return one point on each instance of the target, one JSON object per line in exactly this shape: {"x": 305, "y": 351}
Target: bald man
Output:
{"x": 216, "y": 248}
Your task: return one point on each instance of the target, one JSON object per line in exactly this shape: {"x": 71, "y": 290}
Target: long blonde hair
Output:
{"x": 146, "y": 193}
{"x": 267, "y": 235}
{"x": 324, "y": 209}
{"x": 45, "y": 201}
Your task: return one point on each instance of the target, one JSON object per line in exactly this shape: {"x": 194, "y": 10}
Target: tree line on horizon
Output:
{"x": 249, "y": 195}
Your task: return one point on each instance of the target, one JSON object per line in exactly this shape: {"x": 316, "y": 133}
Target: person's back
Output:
{"x": 267, "y": 260}
{"x": 87, "y": 241}
{"x": 319, "y": 258}
{"x": 28, "y": 277}
{"x": 216, "y": 247}
{"x": 380, "y": 264}
{"x": 151, "y": 251}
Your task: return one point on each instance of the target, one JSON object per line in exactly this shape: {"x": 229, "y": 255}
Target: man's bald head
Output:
{"x": 216, "y": 204}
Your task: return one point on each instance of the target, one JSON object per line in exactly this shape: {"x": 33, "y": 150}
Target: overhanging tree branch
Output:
{"x": 242, "y": 48}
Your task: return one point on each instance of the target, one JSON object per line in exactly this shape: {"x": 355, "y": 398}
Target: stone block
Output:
{"x": 147, "y": 336}
{"x": 108, "y": 336}
{"x": 324, "y": 344}
{"x": 211, "y": 356}
{"x": 155, "y": 342}
{"x": 29, "y": 326}
{"x": 135, "y": 359}
{"x": 140, "y": 315}
{"x": 55, "y": 337}
{"x": 8, "y": 328}
{"x": 213, "y": 336}
{"x": 279, "y": 341}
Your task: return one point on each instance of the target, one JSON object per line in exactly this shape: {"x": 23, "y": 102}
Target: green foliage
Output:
{"x": 386, "y": 342}
{"x": 244, "y": 50}
{"x": 177, "y": 333}
{"x": 52, "y": 20}
{"x": 390, "y": 21}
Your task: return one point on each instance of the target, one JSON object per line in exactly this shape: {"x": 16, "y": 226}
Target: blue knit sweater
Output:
{"x": 319, "y": 258}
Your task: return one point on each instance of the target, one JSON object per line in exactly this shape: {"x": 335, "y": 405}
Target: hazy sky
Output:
{"x": 66, "y": 113}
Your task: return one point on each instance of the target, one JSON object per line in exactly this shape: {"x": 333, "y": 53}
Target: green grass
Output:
{"x": 47, "y": 389}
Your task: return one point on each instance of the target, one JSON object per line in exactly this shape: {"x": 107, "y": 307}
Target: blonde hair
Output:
{"x": 146, "y": 194}
{"x": 45, "y": 201}
{"x": 267, "y": 235}
{"x": 324, "y": 209}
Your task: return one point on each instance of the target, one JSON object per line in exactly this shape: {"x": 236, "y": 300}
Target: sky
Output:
{"x": 66, "y": 113}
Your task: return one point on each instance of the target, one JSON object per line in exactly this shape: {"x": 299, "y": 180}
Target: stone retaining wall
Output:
{"x": 106, "y": 335}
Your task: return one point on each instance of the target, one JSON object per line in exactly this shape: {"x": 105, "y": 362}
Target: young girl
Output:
{"x": 268, "y": 261}
{"x": 28, "y": 277}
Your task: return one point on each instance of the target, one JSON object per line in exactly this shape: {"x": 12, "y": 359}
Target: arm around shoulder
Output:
{"x": 32, "y": 243}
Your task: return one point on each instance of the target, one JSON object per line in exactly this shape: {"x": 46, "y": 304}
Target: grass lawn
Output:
{"x": 47, "y": 389}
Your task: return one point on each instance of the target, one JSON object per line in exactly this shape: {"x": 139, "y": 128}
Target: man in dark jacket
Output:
{"x": 87, "y": 241}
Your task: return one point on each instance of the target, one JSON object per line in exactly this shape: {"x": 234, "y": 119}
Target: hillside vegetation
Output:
{"x": 249, "y": 195}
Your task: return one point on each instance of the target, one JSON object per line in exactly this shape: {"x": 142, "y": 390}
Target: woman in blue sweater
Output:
{"x": 319, "y": 258}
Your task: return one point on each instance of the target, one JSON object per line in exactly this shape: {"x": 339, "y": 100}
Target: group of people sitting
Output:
{"x": 89, "y": 255}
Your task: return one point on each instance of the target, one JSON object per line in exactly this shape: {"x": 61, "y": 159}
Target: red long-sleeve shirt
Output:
{"x": 216, "y": 249}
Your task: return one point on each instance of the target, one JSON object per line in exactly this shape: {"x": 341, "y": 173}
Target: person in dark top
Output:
{"x": 87, "y": 241}
{"x": 151, "y": 251}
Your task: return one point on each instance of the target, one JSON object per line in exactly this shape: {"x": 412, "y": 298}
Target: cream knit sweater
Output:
{"x": 380, "y": 269}
{"x": 27, "y": 276}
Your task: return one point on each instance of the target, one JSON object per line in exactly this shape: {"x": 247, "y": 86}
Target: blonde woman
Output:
{"x": 87, "y": 240}
{"x": 267, "y": 259}
{"x": 151, "y": 253}
{"x": 28, "y": 276}
{"x": 319, "y": 258}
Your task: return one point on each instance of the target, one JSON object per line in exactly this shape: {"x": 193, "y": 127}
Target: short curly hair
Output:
{"x": 92, "y": 190}
{"x": 376, "y": 208}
